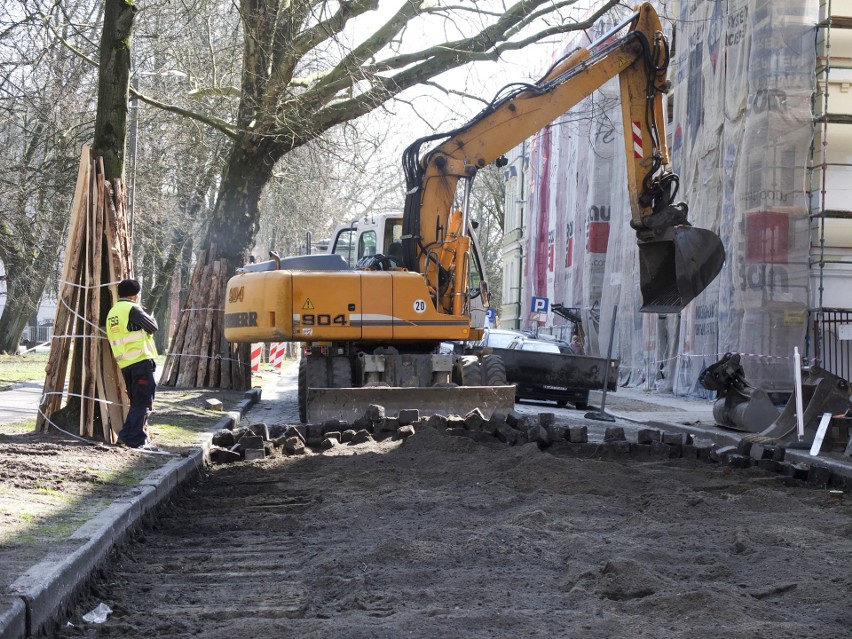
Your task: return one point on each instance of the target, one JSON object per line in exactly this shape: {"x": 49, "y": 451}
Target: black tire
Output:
{"x": 562, "y": 403}
{"x": 312, "y": 374}
{"x": 316, "y": 372}
{"x": 494, "y": 371}
{"x": 468, "y": 371}
{"x": 303, "y": 390}
{"x": 341, "y": 373}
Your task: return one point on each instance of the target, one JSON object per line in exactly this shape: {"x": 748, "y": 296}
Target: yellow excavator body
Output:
{"x": 338, "y": 306}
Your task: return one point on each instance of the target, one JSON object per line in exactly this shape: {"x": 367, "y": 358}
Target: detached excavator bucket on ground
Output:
{"x": 676, "y": 267}
{"x": 822, "y": 392}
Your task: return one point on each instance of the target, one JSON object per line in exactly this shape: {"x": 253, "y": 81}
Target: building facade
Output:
{"x": 758, "y": 132}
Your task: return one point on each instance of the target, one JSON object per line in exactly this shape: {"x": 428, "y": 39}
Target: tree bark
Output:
{"x": 110, "y": 140}
{"x": 236, "y": 216}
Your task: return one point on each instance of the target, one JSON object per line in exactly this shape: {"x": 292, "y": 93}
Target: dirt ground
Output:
{"x": 438, "y": 536}
{"x": 50, "y": 484}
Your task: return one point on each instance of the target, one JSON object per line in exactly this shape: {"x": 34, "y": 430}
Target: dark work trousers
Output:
{"x": 141, "y": 386}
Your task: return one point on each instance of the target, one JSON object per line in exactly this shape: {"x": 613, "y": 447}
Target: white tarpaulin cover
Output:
{"x": 743, "y": 75}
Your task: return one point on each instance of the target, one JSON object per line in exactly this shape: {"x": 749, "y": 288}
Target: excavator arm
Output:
{"x": 677, "y": 261}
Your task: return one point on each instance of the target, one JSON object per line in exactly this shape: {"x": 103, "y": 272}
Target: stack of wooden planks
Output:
{"x": 199, "y": 355}
{"x": 97, "y": 257}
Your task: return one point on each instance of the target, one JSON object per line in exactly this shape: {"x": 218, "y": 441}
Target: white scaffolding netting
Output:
{"x": 743, "y": 75}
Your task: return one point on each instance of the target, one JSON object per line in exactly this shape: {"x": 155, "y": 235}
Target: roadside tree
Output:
{"x": 308, "y": 67}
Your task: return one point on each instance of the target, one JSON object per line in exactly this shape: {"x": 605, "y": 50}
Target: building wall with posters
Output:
{"x": 740, "y": 134}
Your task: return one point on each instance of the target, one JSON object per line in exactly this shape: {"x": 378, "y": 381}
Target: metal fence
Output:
{"x": 831, "y": 338}
{"x": 38, "y": 334}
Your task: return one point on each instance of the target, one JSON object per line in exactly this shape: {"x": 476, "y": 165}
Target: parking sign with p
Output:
{"x": 539, "y": 308}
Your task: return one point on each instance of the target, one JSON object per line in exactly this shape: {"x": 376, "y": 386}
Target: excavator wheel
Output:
{"x": 341, "y": 373}
{"x": 493, "y": 371}
{"x": 303, "y": 390}
{"x": 313, "y": 373}
{"x": 468, "y": 371}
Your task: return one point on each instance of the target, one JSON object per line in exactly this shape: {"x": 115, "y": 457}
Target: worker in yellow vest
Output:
{"x": 129, "y": 330}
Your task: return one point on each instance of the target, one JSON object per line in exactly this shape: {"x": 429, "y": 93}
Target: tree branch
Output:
{"x": 218, "y": 124}
{"x": 420, "y": 67}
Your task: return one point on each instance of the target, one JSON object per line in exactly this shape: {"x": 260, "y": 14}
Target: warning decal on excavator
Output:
{"x": 309, "y": 305}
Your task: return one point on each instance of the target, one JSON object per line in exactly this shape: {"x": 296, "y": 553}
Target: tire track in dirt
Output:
{"x": 442, "y": 537}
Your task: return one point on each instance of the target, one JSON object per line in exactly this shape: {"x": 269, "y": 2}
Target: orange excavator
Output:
{"x": 372, "y": 334}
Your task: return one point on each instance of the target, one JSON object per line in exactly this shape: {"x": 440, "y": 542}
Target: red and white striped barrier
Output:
{"x": 279, "y": 352}
{"x": 256, "y": 351}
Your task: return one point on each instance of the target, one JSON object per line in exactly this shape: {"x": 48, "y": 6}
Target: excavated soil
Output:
{"x": 438, "y": 536}
{"x": 51, "y": 483}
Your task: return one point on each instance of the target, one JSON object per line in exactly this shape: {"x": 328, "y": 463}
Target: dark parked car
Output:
{"x": 540, "y": 369}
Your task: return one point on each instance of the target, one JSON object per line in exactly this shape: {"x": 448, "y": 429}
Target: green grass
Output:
{"x": 124, "y": 477}
{"x": 21, "y": 368}
{"x": 181, "y": 414}
{"x": 18, "y": 428}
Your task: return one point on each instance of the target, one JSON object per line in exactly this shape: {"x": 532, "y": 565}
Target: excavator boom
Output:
{"x": 677, "y": 261}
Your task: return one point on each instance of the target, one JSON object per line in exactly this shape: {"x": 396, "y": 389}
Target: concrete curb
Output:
{"x": 13, "y": 618}
{"x": 45, "y": 592}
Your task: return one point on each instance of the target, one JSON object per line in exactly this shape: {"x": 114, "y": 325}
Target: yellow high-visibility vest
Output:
{"x": 128, "y": 347}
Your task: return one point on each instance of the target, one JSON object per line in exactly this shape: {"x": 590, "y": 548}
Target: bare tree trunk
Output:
{"x": 236, "y": 217}
{"x": 194, "y": 346}
{"x": 22, "y": 295}
{"x": 114, "y": 87}
{"x": 110, "y": 143}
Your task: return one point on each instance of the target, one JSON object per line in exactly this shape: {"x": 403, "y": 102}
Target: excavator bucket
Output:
{"x": 676, "y": 267}
{"x": 822, "y": 392}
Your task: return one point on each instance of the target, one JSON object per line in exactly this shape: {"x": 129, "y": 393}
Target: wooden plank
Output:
{"x": 204, "y": 349}
{"x": 216, "y": 338}
{"x": 174, "y": 360}
{"x": 89, "y": 387}
{"x": 54, "y": 381}
{"x": 115, "y": 230}
{"x": 75, "y": 386}
{"x": 114, "y": 386}
{"x": 115, "y": 260}
{"x": 114, "y": 392}
{"x": 79, "y": 367}
{"x": 124, "y": 241}
{"x": 189, "y": 365}
{"x": 87, "y": 404}
{"x": 98, "y": 340}
{"x": 226, "y": 363}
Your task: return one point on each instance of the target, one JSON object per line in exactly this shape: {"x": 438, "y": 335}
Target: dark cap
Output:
{"x": 128, "y": 288}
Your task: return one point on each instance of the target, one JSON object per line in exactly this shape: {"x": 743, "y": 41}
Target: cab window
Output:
{"x": 393, "y": 233}
{"x": 367, "y": 244}
{"x": 344, "y": 246}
